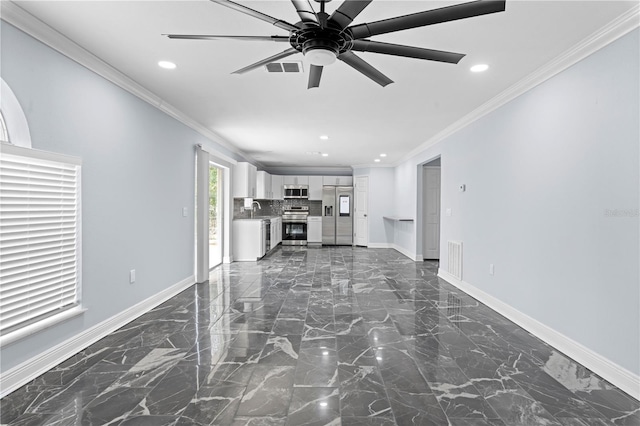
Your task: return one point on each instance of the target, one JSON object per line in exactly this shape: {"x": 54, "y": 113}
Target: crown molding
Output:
{"x": 24, "y": 21}
{"x": 615, "y": 29}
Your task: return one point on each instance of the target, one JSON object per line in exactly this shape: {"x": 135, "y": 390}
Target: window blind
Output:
{"x": 39, "y": 234}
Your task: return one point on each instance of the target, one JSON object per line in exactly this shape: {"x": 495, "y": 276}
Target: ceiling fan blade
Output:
{"x": 225, "y": 37}
{"x": 429, "y": 17}
{"x": 342, "y": 17}
{"x": 406, "y": 51}
{"x": 314, "y": 76}
{"x": 305, "y": 11}
{"x": 259, "y": 15}
{"x": 266, "y": 61}
{"x": 365, "y": 68}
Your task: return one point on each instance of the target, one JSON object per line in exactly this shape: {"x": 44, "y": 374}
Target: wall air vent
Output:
{"x": 284, "y": 67}
{"x": 455, "y": 259}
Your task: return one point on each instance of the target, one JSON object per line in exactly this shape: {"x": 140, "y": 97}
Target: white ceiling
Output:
{"x": 274, "y": 118}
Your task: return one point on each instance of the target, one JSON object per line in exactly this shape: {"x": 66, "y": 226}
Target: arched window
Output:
{"x": 13, "y": 123}
{"x": 4, "y": 135}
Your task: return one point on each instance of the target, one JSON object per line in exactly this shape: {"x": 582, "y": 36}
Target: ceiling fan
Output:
{"x": 322, "y": 38}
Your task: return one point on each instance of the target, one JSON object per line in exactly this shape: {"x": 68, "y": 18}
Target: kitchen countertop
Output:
{"x": 258, "y": 218}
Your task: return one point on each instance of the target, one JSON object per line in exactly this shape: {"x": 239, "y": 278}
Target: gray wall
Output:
{"x": 137, "y": 175}
{"x": 541, "y": 174}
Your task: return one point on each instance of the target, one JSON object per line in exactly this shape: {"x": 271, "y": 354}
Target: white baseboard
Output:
{"x": 397, "y": 248}
{"x": 23, "y": 373}
{"x": 607, "y": 369}
{"x": 379, "y": 245}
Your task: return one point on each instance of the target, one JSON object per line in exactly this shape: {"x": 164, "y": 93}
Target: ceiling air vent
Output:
{"x": 291, "y": 66}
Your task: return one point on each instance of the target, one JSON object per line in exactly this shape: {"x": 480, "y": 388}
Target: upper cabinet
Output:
{"x": 244, "y": 180}
{"x": 338, "y": 180}
{"x": 315, "y": 187}
{"x": 276, "y": 187}
{"x": 263, "y": 186}
{"x": 295, "y": 180}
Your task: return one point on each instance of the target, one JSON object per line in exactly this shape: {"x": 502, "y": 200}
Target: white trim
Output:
{"x": 23, "y": 20}
{"x": 8, "y": 148}
{"x": 609, "y": 370}
{"x": 21, "y": 374}
{"x": 397, "y": 248}
{"x": 21, "y": 333}
{"x": 14, "y": 118}
{"x": 617, "y": 28}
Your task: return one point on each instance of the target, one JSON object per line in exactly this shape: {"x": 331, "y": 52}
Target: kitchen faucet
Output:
{"x": 253, "y": 209}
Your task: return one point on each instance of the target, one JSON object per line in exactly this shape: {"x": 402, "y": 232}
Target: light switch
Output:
{"x": 184, "y": 212}
{"x": 448, "y": 212}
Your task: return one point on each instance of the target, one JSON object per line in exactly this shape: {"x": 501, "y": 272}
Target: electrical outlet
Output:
{"x": 132, "y": 276}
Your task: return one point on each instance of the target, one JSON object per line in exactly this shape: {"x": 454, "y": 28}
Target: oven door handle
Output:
{"x": 294, "y": 220}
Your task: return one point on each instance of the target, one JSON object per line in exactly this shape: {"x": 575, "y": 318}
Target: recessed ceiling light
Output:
{"x": 167, "y": 65}
{"x": 324, "y": 137}
{"x": 324, "y": 154}
{"x": 383, "y": 155}
{"x": 324, "y": 404}
{"x": 479, "y": 68}
{"x": 377, "y": 160}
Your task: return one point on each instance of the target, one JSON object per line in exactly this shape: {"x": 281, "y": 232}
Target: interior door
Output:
{"x": 431, "y": 209}
{"x": 361, "y": 211}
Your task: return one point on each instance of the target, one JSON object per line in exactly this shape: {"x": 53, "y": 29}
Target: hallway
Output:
{"x": 321, "y": 336}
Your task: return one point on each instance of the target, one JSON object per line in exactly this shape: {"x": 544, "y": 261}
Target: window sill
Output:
{"x": 14, "y": 336}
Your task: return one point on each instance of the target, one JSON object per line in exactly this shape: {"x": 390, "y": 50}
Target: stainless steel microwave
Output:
{"x": 296, "y": 191}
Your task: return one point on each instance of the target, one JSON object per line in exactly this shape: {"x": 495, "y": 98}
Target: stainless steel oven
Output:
{"x": 294, "y": 226}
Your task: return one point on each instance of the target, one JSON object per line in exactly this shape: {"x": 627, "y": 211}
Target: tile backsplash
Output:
{"x": 274, "y": 207}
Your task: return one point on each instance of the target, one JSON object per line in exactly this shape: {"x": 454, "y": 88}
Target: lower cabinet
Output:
{"x": 314, "y": 230}
{"x": 276, "y": 231}
{"x": 249, "y": 239}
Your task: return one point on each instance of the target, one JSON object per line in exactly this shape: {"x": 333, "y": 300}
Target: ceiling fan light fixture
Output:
{"x": 320, "y": 52}
{"x": 320, "y": 57}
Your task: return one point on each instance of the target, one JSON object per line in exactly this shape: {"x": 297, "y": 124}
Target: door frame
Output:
{"x": 203, "y": 158}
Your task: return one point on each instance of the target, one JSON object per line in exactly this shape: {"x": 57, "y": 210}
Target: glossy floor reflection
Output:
{"x": 326, "y": 336}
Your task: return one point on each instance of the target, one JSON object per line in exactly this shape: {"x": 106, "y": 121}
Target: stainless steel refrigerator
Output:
{"x": 337, "y": 215}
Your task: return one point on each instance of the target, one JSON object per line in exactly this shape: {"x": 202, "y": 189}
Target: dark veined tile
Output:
{"x": 269, "y": 392}
{"x": 317, "y": 367}
{"x": 362, "y": 392}
{"x": 146, "y": 420}
{"x": 416, "y": 408}
{"x": 314, "y": 406}
{"x": 213, "y": 405}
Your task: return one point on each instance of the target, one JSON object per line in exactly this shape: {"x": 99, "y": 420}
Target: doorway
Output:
{"x": 216, "y": 202}
{"x": 431, "y": 210}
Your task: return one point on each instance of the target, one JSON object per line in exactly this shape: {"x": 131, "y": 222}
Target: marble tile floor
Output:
{"x": 321, "y": 336}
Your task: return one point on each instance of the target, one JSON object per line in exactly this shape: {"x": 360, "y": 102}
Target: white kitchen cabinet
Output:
{"x": 338, "y": 180}
{"x": 249, "y": 236}
{"x": 295, "y": 180}
{"x": 315, "y": 188}
{"x": 276, "y": 187}
{"x": 314, "y": 230}
{"x": 263, "y": 186}
{"x": 276, "y": 233}
{"x": 244, "y": 180}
